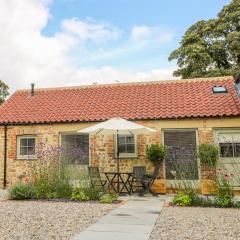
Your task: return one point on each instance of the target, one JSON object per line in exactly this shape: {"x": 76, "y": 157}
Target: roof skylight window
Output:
{"x": 219, "y": 89}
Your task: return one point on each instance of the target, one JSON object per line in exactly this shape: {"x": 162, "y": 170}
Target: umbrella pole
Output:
{"x": 118, "y": 187}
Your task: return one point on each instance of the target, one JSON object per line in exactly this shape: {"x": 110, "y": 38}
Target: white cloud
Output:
{"x": 149, "y": 33}
{"x": 109, "y": 74}
{"x": 89, "y": 29}
{"x": 28, "y": 56}
{"x": 141, "y": 32}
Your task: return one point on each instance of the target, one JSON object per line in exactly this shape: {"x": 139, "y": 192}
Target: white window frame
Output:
{"x": 19, "y": 156}
{"x": 127, "y": 155}
{"x": 227, "y": 131}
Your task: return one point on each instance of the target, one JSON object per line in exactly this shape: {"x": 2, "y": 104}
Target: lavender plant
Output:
{"x": 56, "y": 171}
{"x": 182, "y": 168}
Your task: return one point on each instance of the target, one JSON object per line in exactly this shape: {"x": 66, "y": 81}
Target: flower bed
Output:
{"x": 51, "y": 178}
{"x": 224, "y": 195}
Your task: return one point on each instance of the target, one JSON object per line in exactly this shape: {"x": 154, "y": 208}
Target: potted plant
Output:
{"x": 156, "y": 153}
{"x": 208, "y": 155}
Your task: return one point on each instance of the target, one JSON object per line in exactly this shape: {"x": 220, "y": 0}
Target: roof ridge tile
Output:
{"x": 139, "y": 83}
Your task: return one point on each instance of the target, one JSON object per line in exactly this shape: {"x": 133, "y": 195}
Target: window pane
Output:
{"x": 31, "y": 150}
{"x": 237, "y": 150}
{"x": 75, "y": 148}
{"x": 27, "y": 146}
{"x": 24, "y": 142}
{"x": 130, "y": 139}
{"x": 121, "y": 140}
{"x": 126, "y": 144}
{"x": 122, "y": 148}
{"x": 31, "y": 142}
{"x": 23, "y": 151}
{"x": 226, "y": 149}
{"x": 130, "y": 148}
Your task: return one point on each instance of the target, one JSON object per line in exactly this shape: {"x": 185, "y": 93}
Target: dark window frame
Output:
{"x": 224, "y": 89}
{"x": 174, "y": 157}
{"x": 233, "y": 146}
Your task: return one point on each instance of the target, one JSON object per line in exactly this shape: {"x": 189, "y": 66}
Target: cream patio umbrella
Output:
{"x": 117, "y": 126}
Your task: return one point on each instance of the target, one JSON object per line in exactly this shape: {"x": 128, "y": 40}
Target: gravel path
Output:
{"x": 181, "y": 223}
{"x": 27, "y": 220}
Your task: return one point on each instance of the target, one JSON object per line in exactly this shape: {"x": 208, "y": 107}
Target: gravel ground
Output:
{"x": 42, "y": 220}
{"x": 182, "y": 223}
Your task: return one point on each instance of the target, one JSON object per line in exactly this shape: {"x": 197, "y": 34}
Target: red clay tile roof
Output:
{"x": 155, "y": 100}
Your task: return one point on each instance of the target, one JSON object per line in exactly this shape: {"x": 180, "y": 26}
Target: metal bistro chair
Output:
{"x": 148, "y": 180}
{"x": 95, "y": 178}
{"x": 138, "y": 174}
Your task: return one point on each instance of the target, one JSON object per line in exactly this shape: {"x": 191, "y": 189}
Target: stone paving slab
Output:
{"x": 133, "y": 220}
{"x": 111, "y": 236}
{"x": 4, "y": 194}
{"x": 124, "y": 229}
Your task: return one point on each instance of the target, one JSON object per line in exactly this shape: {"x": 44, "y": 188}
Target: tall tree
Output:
{"x": 211, "y": 48}
{"x": 3, "y": 91}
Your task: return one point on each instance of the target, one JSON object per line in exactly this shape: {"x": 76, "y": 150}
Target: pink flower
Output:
{"x": 226, "y": 177}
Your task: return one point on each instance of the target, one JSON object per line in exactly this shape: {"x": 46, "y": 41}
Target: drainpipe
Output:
{"x": 5, "y": 158}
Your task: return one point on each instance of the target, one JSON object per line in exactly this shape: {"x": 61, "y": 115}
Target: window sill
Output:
{"x": 26, "y": 157}
{"x": 127, "y": 156}
{"x": 229, "y": 160}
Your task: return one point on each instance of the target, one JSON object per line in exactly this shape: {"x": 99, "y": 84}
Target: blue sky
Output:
{"x": 72, "y": 42}
{"x": 172, "y": 16}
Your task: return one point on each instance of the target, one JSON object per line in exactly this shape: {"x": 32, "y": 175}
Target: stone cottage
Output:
{"x": 184, "y": 113}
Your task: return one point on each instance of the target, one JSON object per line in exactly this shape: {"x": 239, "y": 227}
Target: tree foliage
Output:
{"x": 3, "y": 91}
{"x": 211, "y": 48}
{"x": 156, "y": 153}
{"x": 208, "y": 154}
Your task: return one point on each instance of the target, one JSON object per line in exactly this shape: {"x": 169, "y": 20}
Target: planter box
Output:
{"x": 159, "y": 186}
{"x": 208, "y": 187}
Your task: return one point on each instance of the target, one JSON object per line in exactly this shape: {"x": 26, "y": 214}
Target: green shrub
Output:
{"x": 108, "y": 198}
{"x": 206, "y": 202}
{"x": 85, "y": 194}
{"x": 192, "y": 199}
{"x": 156, "y": 153}
{"x": 51, "y": 179}
{"x": 59, "y": 188}
{"x": 237, "y": 204}
{"x": 79, "y": 195}
{"x": 182, "y": 199}
{"x": 224, "y": 196}
{"x": 22, "y": 191}
{"x": 62, "y": 189}
{"x": 202, "y": 201}
{"x": 42, "y": 186}
{"x": 223, "y": 201}
{"x": 208, "y": 154}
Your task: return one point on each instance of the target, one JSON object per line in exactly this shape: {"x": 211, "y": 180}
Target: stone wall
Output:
{"x": 206, "y": 136}
{"x": 18, "y": 169}
{"x": 102, "y": 151}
